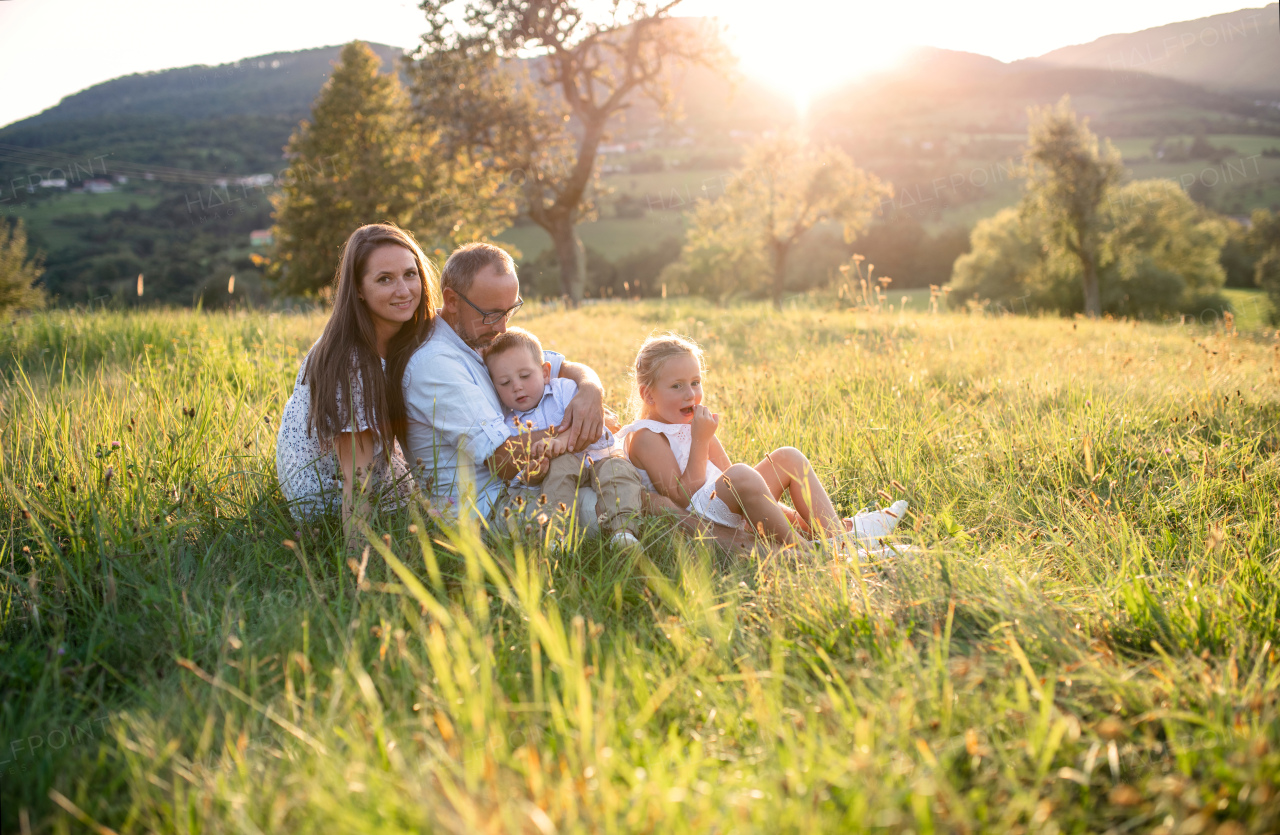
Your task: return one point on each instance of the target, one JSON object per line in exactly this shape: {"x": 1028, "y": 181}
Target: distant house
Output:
{"x": 260, "y": 237}
{"x": 56, "y": 182}
{"x": 98, "y": 186}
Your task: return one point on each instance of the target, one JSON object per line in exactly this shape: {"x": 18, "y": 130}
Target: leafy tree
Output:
{"x": 1264, "y": 242}
{"x": 1158, "y": 253}
{"x": 544, "y": 128}
{"x": 1161, "y": 251}
{"x": 1006, "y": 263}
{"x": 742, "y": 240}
{"x": 359, "y": 161}
{"x": 723, "y": 252}
{"x": 18, "y": 271}
{"x": 1068, "y": 179}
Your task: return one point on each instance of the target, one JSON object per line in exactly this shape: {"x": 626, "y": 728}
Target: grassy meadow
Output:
{"x": 1084, "y": 635}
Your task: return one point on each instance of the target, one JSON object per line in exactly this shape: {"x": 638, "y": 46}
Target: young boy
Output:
{"x": 534, "y": 400}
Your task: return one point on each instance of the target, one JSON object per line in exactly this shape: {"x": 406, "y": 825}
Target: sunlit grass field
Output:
{"x": 1082, "y": 637}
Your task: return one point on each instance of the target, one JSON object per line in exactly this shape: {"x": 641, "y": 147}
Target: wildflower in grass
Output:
{"x": 106, "y": 476}
{"x": 542, "y": 518}
{"x": 1111, "y": 729}
{"x": 1125, "y": 795}
{"x": 413, "y": 529}
{"x": 562, "y": 507}
{"x": 290, "y": 544}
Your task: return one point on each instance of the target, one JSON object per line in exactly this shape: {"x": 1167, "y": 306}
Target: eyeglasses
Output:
{"x": 493, "y": 317}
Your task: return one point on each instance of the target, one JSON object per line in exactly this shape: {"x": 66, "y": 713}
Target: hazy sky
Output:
{"x": 52, "y": 48}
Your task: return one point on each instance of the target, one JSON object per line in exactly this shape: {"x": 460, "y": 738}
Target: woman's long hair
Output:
{"x": 346, "y": 356}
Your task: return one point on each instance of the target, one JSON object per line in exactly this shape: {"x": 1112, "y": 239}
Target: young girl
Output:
{"x": 674, "y": 446}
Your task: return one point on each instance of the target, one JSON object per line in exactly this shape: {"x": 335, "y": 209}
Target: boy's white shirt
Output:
{"x": 549, "y": 412}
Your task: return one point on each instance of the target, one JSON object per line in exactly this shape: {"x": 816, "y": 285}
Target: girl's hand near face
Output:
{"x": 705, "y": 423}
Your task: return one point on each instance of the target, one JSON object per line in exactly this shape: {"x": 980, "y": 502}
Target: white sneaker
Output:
{"x": 624, "y": 539}
{"x": 871, "y": 526}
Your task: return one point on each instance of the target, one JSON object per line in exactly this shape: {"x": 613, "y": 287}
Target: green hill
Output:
{"x": 283, "y": 83}
{"x": 207, "y": 121}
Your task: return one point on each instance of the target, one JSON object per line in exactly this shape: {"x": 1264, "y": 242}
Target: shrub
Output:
{"x": 1159, "y": 254}
{"x": 18, "y": 272}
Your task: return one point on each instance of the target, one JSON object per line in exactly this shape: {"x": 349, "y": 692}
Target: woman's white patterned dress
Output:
{"x": 307, "y": 467}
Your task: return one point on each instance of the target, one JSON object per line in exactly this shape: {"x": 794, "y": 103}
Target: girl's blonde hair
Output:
{"x": 656, "y": 352}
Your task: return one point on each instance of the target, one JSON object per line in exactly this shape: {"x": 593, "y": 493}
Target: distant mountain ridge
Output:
{"x": 1238, "y": 52}
{"x": 935, "y": 92}
{"x": 281, "y": 83}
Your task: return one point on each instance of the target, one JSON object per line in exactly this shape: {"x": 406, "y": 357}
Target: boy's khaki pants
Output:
{"x": 615, "y": 480}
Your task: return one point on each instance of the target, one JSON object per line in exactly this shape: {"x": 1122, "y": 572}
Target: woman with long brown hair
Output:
{"x": 340, "y": 426}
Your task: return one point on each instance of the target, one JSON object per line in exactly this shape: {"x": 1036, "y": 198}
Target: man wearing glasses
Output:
{"x": 456, "y": 427}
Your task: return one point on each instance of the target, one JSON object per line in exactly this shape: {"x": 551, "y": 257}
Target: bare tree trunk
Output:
{"x": 1092, "y": 299}
{"x": 780, "y": 251}
{"x": 572, "y": 258}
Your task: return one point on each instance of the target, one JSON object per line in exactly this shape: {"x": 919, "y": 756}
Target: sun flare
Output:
{"x": 805, "y": 64}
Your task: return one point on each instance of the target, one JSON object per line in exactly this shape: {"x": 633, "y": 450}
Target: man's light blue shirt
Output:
{"x": 455, "y": 419}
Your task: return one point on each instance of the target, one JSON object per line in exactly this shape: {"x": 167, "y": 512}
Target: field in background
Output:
{"x": 1243, "y": 181}
{"x": 1082, "y": 637}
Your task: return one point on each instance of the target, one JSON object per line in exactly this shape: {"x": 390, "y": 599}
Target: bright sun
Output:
{"x": 803, "y": 60}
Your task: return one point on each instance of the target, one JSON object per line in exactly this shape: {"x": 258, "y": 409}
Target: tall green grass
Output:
{"x": 1084, "y": 636}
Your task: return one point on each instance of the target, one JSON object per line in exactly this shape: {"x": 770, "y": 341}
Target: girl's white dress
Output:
{"x": 703, "y": 503}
